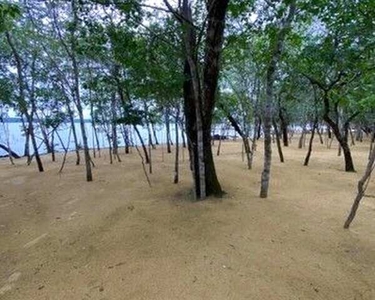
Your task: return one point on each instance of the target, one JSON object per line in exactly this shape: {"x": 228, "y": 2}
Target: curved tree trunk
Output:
{"x": 279, "y": 149}
{"x": 362, "y": 186}
{"x": 142, "y": 143}
{"x": 342, "y": 139}
{"x": 22, "y": 100}
{"x": 307, "y": 158}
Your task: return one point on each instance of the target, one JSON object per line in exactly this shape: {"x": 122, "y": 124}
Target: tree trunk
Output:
{"x": 244, "y": 137}
{"x": 142, "y": 143}
{"x": 200, "y": 94}
{"x": 125, "y": 135}
{"x": 218, "y": 147}
{"x": 71, "y": 118}
{"x": 259, "y": 132}
{"x": 284, "y": 128}
{"x": 371, "y": 143}
{"x": 362, "y": 186}
{"x": 183, "y": 135}
{"x": 77, "y": 95}
{"x": 279, "y": 149}
{"x": 22, "y": 100}
{"x": 329, "y": 132}
{"x": 342, "y": 139}
{"x": 53, "y": 145}
{"x": 27, "y": 140}
{"x": 253, "y": 144}
{"x": 270, "y": 78}
{"x": 358, "y": 134}
{"x": 307, "y": 158}
{"x": 176, "y": 164}
{"x": 114, "y": 127}
{"x": 110, "y": 150}
{"x": 10, "y": 152}
{"x": 351, "y": 137}
{"x": 320, "y": 135}
{"x": 168, "y": 130}
{"x": 300, "y": 142}
{"x": 154, "y": 132}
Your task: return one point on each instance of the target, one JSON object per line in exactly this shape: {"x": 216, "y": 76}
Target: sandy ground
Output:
{"x": 117, "y": 238}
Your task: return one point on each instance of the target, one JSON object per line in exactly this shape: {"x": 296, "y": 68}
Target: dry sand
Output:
{"x": 117, "y": 238}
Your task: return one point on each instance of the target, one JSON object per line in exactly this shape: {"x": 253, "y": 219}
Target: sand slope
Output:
{"x": 116, "y": 238}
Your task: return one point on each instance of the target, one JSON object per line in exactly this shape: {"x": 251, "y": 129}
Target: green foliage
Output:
{"x": 8, "y": 12}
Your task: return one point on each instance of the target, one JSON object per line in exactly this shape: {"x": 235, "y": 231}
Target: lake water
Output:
{"x": 17, "y": 139}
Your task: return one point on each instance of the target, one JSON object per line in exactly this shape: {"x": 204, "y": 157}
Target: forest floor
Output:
{"x": 117, "y": 238}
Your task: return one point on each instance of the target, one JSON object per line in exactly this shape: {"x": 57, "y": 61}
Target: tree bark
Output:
{"x": 307, "y": 158}
{"x": 362, "y": 186}
{"x": 200, "y": 96}
{"x": 176, "y": 163}
{"x": 267, "y": 116}
{"x": 168, "y": 130}
{"x": 154, "y": 133}
{"x": 279, "y": 149}
{"x": 342, "y": 139}
{"x": 283, "y": 127}
{"x": 22, "y": 101}
{"x": 245, "y": 138}
{"x": 10, "y": 152}
{"x": 76, "y": 90}
{"x": 142, "y": 143}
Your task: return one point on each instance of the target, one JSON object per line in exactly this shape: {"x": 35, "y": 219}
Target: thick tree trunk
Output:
{"x": 200, "y": 96}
